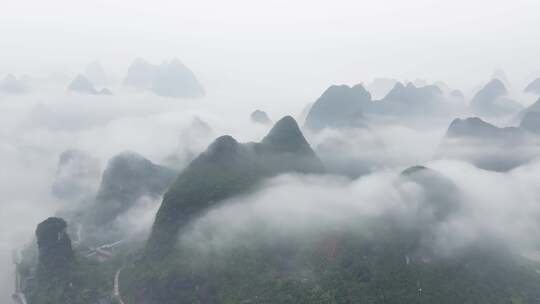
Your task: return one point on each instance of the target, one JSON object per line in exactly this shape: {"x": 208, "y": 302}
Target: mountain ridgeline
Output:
{"x": 228, "y": 168}
{"x": 488, "y": 146}
{"x": 348, "y": 107}
{"x": 82, "y": 85}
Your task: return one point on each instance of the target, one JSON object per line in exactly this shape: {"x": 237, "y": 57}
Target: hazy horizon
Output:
{"x": 278, "y": 44}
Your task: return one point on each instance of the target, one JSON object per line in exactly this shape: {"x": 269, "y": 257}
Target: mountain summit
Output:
{"x": 170, "y": 79}
{"x": 286, "y": 136}
{"x": 261, "y": 117}
{"x": 83, "y": 85}
{"x": 338, "y": 106}
{"x": 228, "y": 168}
{"x": 493, "y": 100}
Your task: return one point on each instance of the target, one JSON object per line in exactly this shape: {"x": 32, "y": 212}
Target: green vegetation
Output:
{"x": 83, "y": 280}
{"x": 345, "y": 265}
{"x": 87, "y": 282}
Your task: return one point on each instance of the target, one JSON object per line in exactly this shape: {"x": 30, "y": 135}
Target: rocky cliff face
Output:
{"x": 55, "y": 253}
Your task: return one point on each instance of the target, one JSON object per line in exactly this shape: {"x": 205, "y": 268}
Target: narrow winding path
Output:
{"x": 116, "y": 289}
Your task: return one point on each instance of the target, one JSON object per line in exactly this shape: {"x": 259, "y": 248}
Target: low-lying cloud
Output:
{"x": 492, "y": 206}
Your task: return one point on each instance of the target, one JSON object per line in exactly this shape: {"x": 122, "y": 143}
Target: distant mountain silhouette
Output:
{"x": 475, "y": 127}
{"x": 170, "y": 79}
{"x": 411, "y": 99}
{"x": 493, "y": 100}
{"x": 82, "y": 85}
{"x": 261, "y": 117}
{"x": 12, "y": 86}
{"x": 457, "y": 94}
{"x": 533, "y": 87}
{"x": 501, "y": 76}
{"x": 174, "y": 79}
{"x": 105, "y": 91}
{"x": 339, "y": 106}
{"x": 349, "y": 107}
{"x": 487, "y": 146}
{"x": 140, "y": 74}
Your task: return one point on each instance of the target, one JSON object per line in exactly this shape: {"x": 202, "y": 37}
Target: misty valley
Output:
{"x": 387, "y": 192}
{"x": 270, "y": 152}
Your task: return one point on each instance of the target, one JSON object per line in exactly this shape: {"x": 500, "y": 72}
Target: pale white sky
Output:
{"x": 283, "y": 42}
